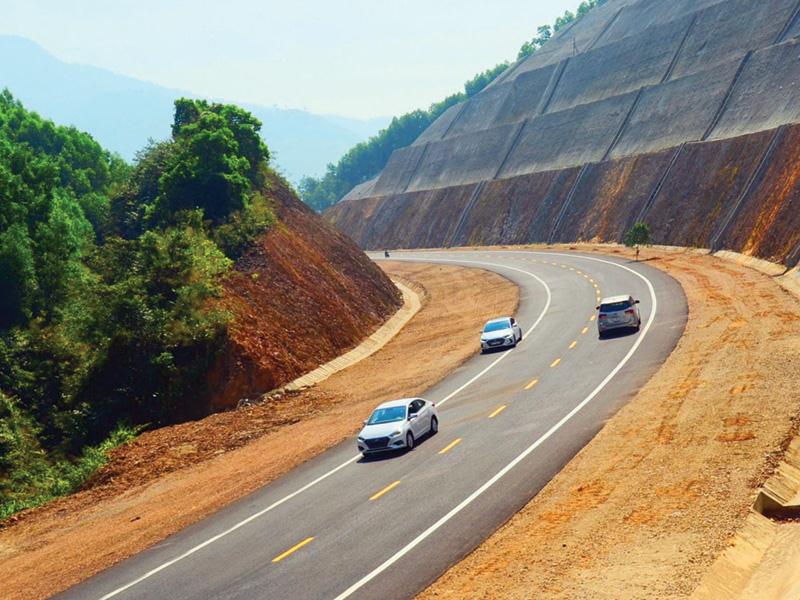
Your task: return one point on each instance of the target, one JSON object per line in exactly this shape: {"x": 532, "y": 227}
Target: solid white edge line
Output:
{"x": 525, "y": 335}
{"x": 469, "y": 499}
{"x": 260, "y": 513}
{"x": 227, "y": 531}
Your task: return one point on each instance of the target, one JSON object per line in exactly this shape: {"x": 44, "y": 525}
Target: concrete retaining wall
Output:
{"x": 464, "y": 159}
{"x": 767, "y": 93}
{"x": 568, "y": 138}
{"x": 683, "y": 113}
{"x": 621, "y": 67}
{"x": 676, "y": 112}
{"x": 727, "y": 30}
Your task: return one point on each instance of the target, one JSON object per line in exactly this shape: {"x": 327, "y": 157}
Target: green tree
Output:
{"x": 637, "y": 236}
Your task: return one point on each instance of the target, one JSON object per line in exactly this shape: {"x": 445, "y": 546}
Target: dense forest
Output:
{"x": 365, "y": 160}
{"x": 108, "y": 279}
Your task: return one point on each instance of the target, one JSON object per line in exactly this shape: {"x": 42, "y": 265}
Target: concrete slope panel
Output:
{"x": 399, "y": 170}
{"x": 702, "y": 186}
{"x": 767, "y": 93}
{"x": 675, "y": 112}
{"x": 481, "y": 110}
{"x": 526, "y": 93}
{"x": 362, "y": 190}
{"x": 464, "y": 159}
{"x": 531, "y": 205}
{"x": 610, "y": 197}
{"x": 383, "y": 221}
{"x": 615, "y": 69}
{"x": 727, "y": 30}
{"x": 575, "y": 39}
{"x": 354, "y": 217}
{"x": 503, "y": 212}
{"x": 568, "y": 138}
{"x": 767, "y": 224}
{"x": 439, "y": 127}
{"x": 639, "y": 16}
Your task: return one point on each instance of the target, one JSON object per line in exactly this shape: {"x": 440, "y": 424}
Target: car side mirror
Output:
{"x": 597, "y": 308}
{"x": 364, "y": 422}
{"x": 412, "y": 416}
{"x": 636, "y": 302}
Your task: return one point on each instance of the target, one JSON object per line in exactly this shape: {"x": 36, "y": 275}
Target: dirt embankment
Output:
{"x": 645, "y": 508}
{"x": 302, "y": 296}
{"x": 175, "y": 476}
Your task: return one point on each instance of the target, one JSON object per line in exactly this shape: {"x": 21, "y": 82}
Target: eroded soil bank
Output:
{"x": 645, "y": 508}
{"x": 175, "y": 476}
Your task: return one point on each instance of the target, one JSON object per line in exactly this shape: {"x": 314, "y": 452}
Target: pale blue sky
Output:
{"x": 353, "y": 57}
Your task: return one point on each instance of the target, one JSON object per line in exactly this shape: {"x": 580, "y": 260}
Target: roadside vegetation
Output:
{"x": 109, "y": 274}
{"x": 365, "y": 160}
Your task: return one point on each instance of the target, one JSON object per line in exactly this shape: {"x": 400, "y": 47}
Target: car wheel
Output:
{"x": 409, "y": 441}
{"x": 434, "y": 426}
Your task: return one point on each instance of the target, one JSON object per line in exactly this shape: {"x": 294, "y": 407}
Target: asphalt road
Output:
{"x": 342, "y": 527}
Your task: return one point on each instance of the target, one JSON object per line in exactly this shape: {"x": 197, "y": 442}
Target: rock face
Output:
{"x": 301, "y": 296}
{"x": 681, "y": 114}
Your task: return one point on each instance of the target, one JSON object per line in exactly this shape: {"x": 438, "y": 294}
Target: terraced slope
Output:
{"x": 683, "y": 114}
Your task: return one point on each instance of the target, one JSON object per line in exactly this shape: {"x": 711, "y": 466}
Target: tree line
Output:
{"x": 366, "y": 159}
{"x": 109, "y": 275}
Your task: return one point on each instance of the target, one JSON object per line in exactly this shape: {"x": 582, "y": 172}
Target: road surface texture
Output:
{"x": 344, "y": 527}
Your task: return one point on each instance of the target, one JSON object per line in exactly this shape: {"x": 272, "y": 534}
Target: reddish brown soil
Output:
{"x": 304, "y": 295}
{"x": 646, "y": 507}
{"x": 170, "y": 478}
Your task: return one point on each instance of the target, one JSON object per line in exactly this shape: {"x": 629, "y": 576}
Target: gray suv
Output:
{"x": 618, "y": 312}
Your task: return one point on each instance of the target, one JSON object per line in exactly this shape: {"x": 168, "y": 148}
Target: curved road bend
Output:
{"x": 340, "y": 527}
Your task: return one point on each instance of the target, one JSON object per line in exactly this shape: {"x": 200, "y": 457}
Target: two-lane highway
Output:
{"x": 340, "y": 526}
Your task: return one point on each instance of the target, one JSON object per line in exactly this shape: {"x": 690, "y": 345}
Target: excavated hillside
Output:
{"x": 682, "y": 114}
{"x": 303, "y": 295}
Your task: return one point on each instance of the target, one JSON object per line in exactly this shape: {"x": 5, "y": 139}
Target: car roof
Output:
{"x": 498, "y": 320}
{"x": 613, "y": 299}
{"x": 391, "y": 403}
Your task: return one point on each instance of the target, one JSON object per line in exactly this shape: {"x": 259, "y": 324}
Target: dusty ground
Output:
{"x": 646, "y": 507}
{"x": 172, "y": 477}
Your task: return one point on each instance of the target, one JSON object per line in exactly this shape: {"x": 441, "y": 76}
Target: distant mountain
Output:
{"x": 122, "y": 112}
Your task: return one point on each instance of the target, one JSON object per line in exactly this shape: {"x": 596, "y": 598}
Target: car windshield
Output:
{"x": 615, "y": 306}
{"x": 387, "y": 415}
{"x": 496, "y": 326}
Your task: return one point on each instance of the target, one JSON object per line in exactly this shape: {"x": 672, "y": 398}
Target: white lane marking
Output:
{"x": 469, "y": 499}
{"x": 227, "y": 531}
{"x": 260, "y": 513}
{"x": 524, "y": 335}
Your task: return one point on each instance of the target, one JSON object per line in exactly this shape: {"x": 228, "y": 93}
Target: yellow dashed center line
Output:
{"x": 592, "y": 318}
{"x": 555, "y": 363}
{"x": 292, "y": 550}
{"x": 531, "y": 384}
{"x": 388, "y": 488}
{"x": 573, "y": 344}
{"x": 450, "y": 446}
{"x": 497, "y": 412}
{"x": 584, "y": 330}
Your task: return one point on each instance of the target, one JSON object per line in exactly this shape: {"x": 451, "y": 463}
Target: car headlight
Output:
{"x": 360, "y": 439}
{"x": 396, "y": 433}
{"x": 509, "y": 336}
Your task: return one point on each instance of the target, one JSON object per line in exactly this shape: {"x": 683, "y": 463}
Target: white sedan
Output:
{"x": 500, "y": 333}
{"x": 398, "y": 424}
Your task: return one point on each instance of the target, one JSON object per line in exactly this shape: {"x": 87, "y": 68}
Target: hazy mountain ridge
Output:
{"x": 123, "y": 112}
